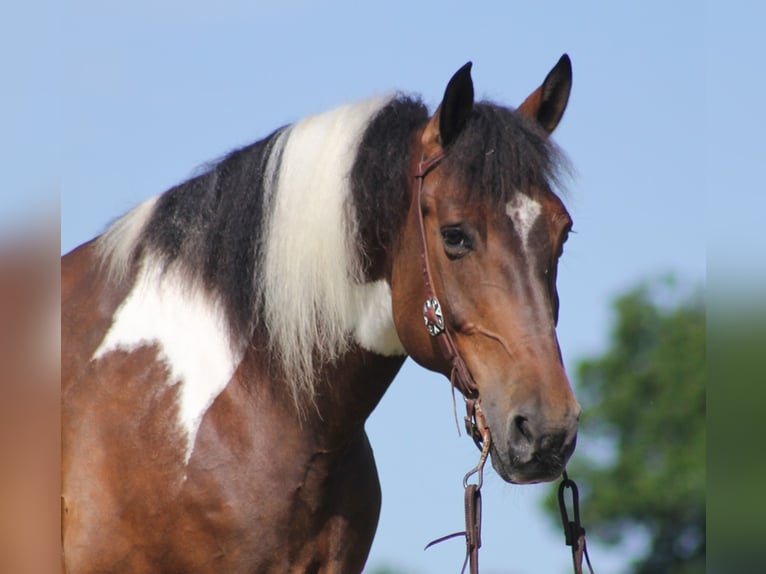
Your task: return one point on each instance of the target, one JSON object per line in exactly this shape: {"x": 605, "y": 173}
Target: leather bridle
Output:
{"x": 475, "y": 423}
{"x": 433, "y": 315}
{"x": 460, "y": 377}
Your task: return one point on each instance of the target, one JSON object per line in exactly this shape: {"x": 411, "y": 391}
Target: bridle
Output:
{"x": 475, "y": 423}
{"x": 433, "y": 316}
{"x": 460, "y": 377}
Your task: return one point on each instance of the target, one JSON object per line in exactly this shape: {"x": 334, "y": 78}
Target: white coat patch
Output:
{"x": 374, "y": 328}
{"x": 189, "y": 330}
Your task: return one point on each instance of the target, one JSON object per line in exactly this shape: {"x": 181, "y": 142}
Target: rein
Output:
{"x": 574, "y": 533}
{"x": 475, "y": 423}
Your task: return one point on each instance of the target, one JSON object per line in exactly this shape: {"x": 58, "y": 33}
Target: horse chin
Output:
{"x": 532, "y": 472}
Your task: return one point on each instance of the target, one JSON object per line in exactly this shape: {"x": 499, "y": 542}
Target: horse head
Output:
{"x": 486, "y": 230}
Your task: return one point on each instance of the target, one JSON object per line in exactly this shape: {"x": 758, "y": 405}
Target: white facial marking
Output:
{"x": 189, "y": 330}
{"x": 524, "y": 212}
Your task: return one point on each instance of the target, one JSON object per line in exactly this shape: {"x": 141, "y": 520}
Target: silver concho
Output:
{"x": 432, "y": 315}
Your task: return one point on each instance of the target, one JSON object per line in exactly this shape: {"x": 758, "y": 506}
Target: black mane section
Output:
{"x": 379, "y": 176}
{"x": 212, "y": 228}
{"x": 500, "y": 152}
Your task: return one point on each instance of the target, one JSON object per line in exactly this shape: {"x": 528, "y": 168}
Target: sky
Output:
{"x": 106, "y": 104}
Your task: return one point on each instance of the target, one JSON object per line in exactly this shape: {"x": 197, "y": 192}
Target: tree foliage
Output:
{"x": 736, "y": 398}
{"x": 640, "y": 463}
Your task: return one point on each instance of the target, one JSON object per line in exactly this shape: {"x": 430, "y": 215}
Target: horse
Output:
{"x": 224, "y": 342}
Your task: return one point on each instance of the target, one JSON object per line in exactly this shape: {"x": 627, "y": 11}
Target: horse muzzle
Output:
{"x": 530, "y": 449}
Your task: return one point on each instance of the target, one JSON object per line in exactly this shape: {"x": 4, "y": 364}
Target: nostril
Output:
{"x": 522, "y": 425}
{"x": 578, "y": 412}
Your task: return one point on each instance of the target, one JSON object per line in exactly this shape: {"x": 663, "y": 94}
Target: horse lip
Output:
{"x": 537, "y": 470}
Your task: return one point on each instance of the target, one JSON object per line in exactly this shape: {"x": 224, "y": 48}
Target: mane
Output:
{"x": 283, "y": 235}
{"x": 280, "y": 234}
{"x": 501, "y": 152}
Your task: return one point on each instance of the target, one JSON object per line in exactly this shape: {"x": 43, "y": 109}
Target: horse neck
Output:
{"x": 346, "y": 393}
{"x": 351, "y": 390}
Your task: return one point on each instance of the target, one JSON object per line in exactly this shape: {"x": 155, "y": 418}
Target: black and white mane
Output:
{"x": 281, "y": 234}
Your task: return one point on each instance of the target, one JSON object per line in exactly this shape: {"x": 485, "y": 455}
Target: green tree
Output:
{"x": 640, "y": 463}
{"x": 736, "y": 399}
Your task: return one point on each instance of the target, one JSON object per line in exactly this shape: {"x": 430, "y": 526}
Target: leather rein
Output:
{"x": 461, "y": 378}
{"x": 475, "y": 423}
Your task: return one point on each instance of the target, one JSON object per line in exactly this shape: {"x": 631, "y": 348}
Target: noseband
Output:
{"x": 433, "y": 316}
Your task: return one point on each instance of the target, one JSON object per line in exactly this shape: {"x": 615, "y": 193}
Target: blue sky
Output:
{"x": 105, "y": 104}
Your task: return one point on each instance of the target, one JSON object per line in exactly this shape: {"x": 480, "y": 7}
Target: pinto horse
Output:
{"x": 224, "y": 342}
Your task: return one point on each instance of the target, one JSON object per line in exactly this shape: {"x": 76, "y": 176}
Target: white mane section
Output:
{"x": 315, "y": 302}
{"x": 115, "y": 247}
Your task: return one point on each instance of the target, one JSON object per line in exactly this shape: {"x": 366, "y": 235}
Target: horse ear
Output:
{"x": 453, "y": 112}
{"x": 547, "y": 103}
{"x": 456, "y": 105}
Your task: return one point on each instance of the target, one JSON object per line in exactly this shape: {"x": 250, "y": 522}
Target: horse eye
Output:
{"x": 564, "y": 237}
{"x": 456, "y": 242}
